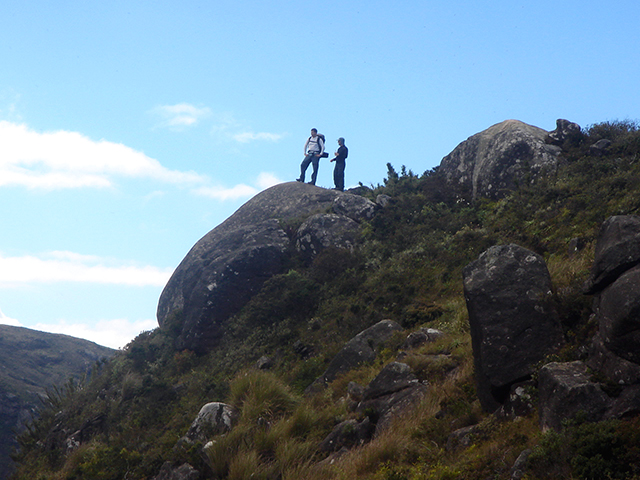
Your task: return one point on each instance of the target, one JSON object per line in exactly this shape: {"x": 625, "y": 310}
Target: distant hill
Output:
{"x": 30, "y": 363}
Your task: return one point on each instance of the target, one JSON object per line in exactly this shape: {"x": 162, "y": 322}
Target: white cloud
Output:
{"x": 62, "y": 159}
{"x": 4, "y": 320}
{"x": 110, "y": 333}
{"x": 73, "y": 267}
{"x": 246, "y": 137}
{"x": 180, "y": 115}
{"x": 264, "y": 181}
{"x": 225, "y": 193}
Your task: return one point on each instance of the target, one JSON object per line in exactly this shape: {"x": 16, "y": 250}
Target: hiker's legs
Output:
{"x": 338, "y": 175}
{"x": 315, "y": 161}
{"x": 303, "y": 167}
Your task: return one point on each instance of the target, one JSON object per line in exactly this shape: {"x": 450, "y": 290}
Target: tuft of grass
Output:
{"x": 261, "y": 395}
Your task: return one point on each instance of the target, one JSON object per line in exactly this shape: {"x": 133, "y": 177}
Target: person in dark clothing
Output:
{"x": 313, "y": 150}
{"x": 340, "y": 159}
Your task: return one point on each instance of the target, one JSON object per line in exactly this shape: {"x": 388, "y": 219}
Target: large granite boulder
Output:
{"x": 619, "y": 316}
{"x": 496, "y": 160}
{"x": 513, "y": 322}
{"x": 230, "y": 264}
{"x": 614, "y": 280}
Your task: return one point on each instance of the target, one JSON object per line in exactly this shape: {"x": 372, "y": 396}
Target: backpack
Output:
{"x": 324, "y": 142}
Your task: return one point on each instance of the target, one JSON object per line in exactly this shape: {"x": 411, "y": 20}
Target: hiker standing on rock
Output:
{"x": 340, "y": 159}
{"x": 313, "y": 150}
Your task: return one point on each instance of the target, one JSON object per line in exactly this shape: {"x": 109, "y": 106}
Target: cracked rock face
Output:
{"x": 494, "y": 161}
{"x": 229, "y": 265}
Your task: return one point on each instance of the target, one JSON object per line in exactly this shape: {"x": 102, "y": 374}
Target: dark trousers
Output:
{"x": 338, "y": 174}
{"x": 313, "y": 159}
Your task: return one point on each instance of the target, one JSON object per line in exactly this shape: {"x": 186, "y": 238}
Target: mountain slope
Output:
{"x": 32, "y": 362}
{"x": 407, "y": 267}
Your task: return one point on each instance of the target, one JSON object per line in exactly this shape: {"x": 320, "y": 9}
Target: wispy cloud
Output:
{"x": 9, "y": 100}
{"x": 180, "y": 115}
{"x": 246, "y": 137}
{"x": 63, "y": 159}
{"x": 222, "y": 124}
{"x": 263, "y": 181}
{"x": 73, "y": 267}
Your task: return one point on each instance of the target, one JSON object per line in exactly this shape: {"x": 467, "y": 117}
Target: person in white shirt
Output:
{"x": 313, "y": 150}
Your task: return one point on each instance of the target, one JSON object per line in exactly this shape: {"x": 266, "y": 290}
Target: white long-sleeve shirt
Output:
{"x": 314, "y": 145}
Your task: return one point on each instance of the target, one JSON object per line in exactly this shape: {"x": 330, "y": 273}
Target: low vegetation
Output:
{"x": 136, "y": 407}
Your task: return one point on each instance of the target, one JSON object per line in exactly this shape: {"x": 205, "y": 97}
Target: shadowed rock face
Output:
{"x": 499, "y": 158}
{"x": 617, "y": 250}
{"x": 230, "y": 264}
{"x": 615, "y": 280}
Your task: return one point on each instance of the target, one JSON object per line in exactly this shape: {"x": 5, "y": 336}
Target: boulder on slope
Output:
{"x": 494, "y": 161}
{"x": 229, "y": 265}
{"x": 512, "y": 319}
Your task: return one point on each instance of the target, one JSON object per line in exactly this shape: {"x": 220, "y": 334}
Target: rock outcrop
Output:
{"x": 230, "y": 264}
{"x": 496, "y": 160}
{"x": 180, "y": 472}
{"x": 566, "y": 133}
{"x": 392, "y": 392}
{"x": 360, "y": 350}
{"x": 513, "y": 322}
{"x": 567, "y": 391}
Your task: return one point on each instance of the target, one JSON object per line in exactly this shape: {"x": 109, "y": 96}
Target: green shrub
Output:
{"x": 607, "y": 449}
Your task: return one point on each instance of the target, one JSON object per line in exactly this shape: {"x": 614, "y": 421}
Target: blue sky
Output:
{"x": 128, "y": 130}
